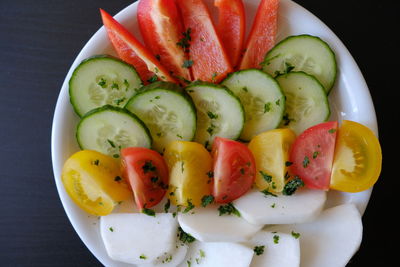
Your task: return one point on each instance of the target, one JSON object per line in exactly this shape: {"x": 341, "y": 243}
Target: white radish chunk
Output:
{"x": 170, "y": 259}
{"x": 137, "y": 238}
{"x": 217, "y": 254}
{"x": 331, "y": 240}
{"x": 275, "y": 249}
{"x": 302, "y": 206}
{"x": 206, "y": 225}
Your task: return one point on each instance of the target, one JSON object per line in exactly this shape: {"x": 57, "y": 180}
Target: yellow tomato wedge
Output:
{"x": 94, "y": 182}
{"x": 358, "y": 158}
{"x": 189, "y": 165}
{"x": 271, "y": 152}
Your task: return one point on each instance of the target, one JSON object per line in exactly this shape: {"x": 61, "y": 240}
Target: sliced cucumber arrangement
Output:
{"x": 167, "y": 111}
{"x": 219, "y": 112}
{"x": 102, "y": 80}
{"x": 108, "y": 129}
{"x": 306, "y": 101}
{"x": 303, "y": 53}
{"x": 262, "y": 98}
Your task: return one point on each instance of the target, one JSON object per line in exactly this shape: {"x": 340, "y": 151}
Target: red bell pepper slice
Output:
{"x": 161, "y": 28}
{"x": 208, "y": 57}
{"x": 231, "y": 27}
{"x": 262, "y": 35}
{"x": 130, "y": 50}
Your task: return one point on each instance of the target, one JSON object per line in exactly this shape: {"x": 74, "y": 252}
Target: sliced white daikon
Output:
{"x": 275, "y": 249}
{"x": 331, "y": 240}
{"x": 137, "y": 238}
{"x": 170, "y": 259}
{"x": 206, "y": 225}
{"x": 217, "y": 254}
{"x": 302, "y": 206}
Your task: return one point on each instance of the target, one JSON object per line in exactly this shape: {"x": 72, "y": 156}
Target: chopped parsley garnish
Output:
{"x": 276, "y": 239}
{"x": 288, "y": 163}
{"x": 117, "y": 178}
{"x": 259, "y": 250}
{"x": 167, "y": 206}
{"x": 212, "y": 115}
{"x": 143, "y": 257}
{"x": 273, "y": 205}
{"x": 288, "y": 68}
{"x": 268, "y": 193}
{"x": 185, "y": 237}
{"x": 245, "y": 89}
{"x": 184, "y": 42}
{"x": 315, "y": 154}
{"x": 306, "y": 161}
{"x": 333, "y": 130}
{"x": 179, "y": 136}
{"x": 291, "y": 186}
{"x": 115, "y": 156}
{"x": 207, "y": 200}
{"x": 119, "y": 100}
{"x": 167, "y": 259}
{"x": 266, "y": 177}
{"x": 286, "y": 120}
{"x": 158, "y": 57}
{"x": 210, "y": 129}
{"x": 278, "y": 102}
{"x": 154, "y": 179}
{"x": 242, "y": 171}
{"x": 228, "y": 209}
{"x": 96, "y": 162}
{"x": 187, "y": 63}
{"x": 210, "y": 174}
{"x": 102, "y": 83}
{"x": 189, "y": 207}
{"x": 267, "y": 107}
{"x": 189, "y": 263}
{"x": 152, "y": 79}
{"x": 115, "y": 86}
{"x": 111, "y": 143}
{"x": 295, "y": 235}
{"x": 149, "y": 212}
{"x": 126, "y": 83}
{"x": 148, "y": 167}
{"x": 111, "y": 229}
{"x": 214, "y": 76}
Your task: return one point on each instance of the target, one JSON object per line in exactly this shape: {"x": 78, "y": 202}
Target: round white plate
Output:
{"x": 350, "y": 99}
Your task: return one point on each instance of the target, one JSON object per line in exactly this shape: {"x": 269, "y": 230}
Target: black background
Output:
{"x": 39, "y": 41}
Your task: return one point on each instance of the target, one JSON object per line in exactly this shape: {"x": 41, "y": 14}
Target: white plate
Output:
{"x": 350, "y": 99}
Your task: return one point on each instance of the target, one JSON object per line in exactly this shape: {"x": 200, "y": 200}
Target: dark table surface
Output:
{"x": 39, "y": 41}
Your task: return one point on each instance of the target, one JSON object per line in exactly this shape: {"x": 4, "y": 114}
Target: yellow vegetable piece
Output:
{"x": 358, "y": 158}
{"x": 271, "y": 152}
{"x": 189, "y": 165}
{"x": 94, "y": 182}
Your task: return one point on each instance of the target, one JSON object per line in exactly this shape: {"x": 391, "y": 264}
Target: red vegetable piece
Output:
{"x": 312, "y": 155}
{"x": 130, "y": 50}
{"x": 161, "y": 28}
{"x": 262, "y": 35}
{"x": 210, "y": 62}
{"x": 231, "y": 27}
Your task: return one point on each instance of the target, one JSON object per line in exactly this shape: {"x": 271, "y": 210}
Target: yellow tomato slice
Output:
{"x": 271, "y": 152}
{"x": 94, "y": 182}
{"x": 358, "y": 158}
{"x": 190, "y": 165}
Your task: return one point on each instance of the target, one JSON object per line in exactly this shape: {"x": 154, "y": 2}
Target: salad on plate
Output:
{"x": 215, "y": 145}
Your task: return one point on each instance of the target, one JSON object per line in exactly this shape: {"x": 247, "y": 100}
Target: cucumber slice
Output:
{"x": 102, "y": 80}
{"x": 262, "y": 98}
{"x": 219, "y": 112}
{"x": 108, "y": 129}
{"x": 167, "y": 111}
{"x": 303, "y": 53}
{"x": 306, "y": 101}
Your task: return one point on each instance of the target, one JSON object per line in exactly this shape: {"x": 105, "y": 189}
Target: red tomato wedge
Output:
{"x": 210, "y": 62}
{"x": 161, "y": 28}
{"x": 130, "y": 50}
{"x": 234, "y": 170}
{"x": 262, "y": 34}
{"x": 312, "y": 155}
{"x": 231, "y": 27}
{"x": 147, "y": 174}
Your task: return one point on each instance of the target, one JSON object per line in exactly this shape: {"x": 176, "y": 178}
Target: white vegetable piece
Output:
{"x": 217, "y": 254}
{"x": 137, "y": 238}
{"x": 206, "y": 225}
{"x": 280, "y": 249}
{"x": 302, "y": 206}
{"x": 170, "y": 259}
{"x": 331, "y": 240}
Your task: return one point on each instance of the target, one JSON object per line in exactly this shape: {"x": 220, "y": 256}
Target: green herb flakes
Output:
{"x": 258, "y": 250}
{"x": 228, "y": 209}
{"x": 207, "y": 200}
